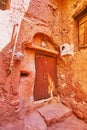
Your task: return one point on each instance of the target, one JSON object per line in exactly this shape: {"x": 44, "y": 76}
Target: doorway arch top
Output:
{"x": 43, "y": 42}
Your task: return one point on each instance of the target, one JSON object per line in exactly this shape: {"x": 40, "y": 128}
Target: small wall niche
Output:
{"x": 24, "y": 74}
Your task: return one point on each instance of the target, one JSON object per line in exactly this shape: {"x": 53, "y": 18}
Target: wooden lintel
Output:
{"x": 80, "y": 12}
{"x": 43, "y": 49}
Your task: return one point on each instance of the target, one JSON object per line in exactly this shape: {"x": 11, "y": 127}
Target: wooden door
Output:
{"x": 45, "y": 76}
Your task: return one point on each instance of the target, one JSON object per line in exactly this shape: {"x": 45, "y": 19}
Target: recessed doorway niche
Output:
{"x": 45, "y": 66}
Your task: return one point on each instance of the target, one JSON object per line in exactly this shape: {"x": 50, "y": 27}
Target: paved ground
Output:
{"x": 70, "y": 123}
{"x": 53, "y": 116}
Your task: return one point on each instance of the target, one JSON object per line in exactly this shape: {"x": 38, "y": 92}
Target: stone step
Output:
{"x": 34, "y": 121}
{"x": 53, "y": 113}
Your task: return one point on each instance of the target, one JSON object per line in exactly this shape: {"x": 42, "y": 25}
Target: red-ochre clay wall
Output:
{"x": 43, "y": 17}
{"x": 40, "y": 18}
{"x": 72, "y": 70}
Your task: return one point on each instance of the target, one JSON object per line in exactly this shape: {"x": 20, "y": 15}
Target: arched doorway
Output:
{"x": 46, "y": 67}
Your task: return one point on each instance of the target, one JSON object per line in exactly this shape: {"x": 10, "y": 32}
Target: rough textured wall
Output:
{"x": 72, "y": 70}
{"x": 80, "y": 69}
{"x": 9, "y": 81}
{"x": 42, "y": 17}
{"x": 27, "y": 79}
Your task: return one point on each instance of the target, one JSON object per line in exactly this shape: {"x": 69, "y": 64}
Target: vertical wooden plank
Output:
{"x": 83, "y": 31}
{"x": 81, "y": 34}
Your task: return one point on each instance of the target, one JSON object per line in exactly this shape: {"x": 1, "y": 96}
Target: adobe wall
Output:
{"x": 16, "y": 90}
{"x": 42, "y": 17}
{"x": 72, "y": 70}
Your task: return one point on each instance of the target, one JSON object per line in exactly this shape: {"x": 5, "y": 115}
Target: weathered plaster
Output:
{"x": 26, "y": 84}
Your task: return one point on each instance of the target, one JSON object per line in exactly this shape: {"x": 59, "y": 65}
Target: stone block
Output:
{"x": 54, "y": 112}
